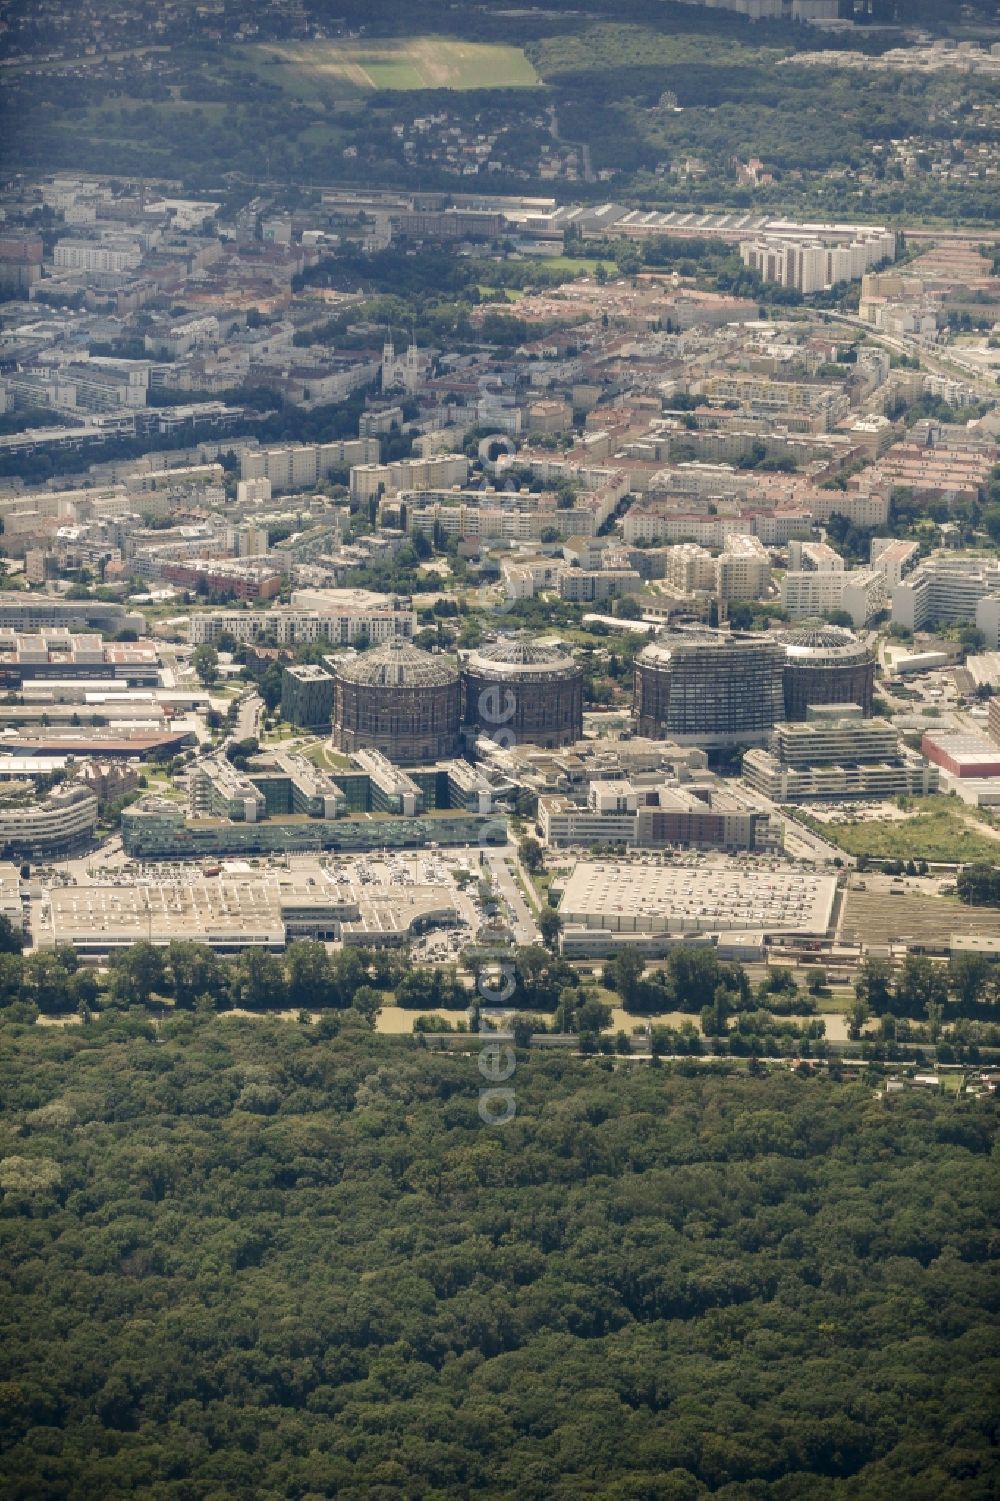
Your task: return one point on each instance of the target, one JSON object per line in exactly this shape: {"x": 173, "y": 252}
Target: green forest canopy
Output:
{"x": 242, "y": 1257}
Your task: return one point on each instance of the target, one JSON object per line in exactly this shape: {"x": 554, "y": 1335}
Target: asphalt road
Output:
{"x": 248, "y": 715}
{"x": 523, "y": 923}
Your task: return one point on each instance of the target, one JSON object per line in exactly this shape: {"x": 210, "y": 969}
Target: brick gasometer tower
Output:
{"x": 527, "y": 693}
{"x": 399, "y": 700}
{"x": 826, "y": 665}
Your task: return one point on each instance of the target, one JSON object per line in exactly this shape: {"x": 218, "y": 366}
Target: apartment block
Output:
{"x": 307, "y": 696}
{"x": 592, "y": 585}
{"x": 861, "y": 592}
{"x": 301, "y": 465}
{"x": 344, "y": 616}
{"x": 868, "y": 507}
{"x": 742, "y": 570}
{"x": 371, "y": 479}
{"x": 253, "y": 491}
{"x": 946, "y": 588}
{"x": 97, "y": 255}
{"x": 894, "y": 558}
{"x": 814, "y": 557}
{"x": 808, "y": 264}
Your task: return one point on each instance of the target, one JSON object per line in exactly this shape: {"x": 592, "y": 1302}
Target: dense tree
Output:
{"x": 205, "y": 661}
{"x": 192, "y": 970}
{"x": 971, "y": 977}
{"x": 250, "y": 1256}
{"x": 136, "y": 974}
{"x": 874, "y": 985}
{"x": 624, "y": 974}
{"x": 309, "y": 979}
{"x": 11, "y": 937}
{"x": 550, "y": 926}
{"x": 979, "y": 885}
{"x": 921, "y": 983}
{"x": 531, "y": 853}
{"x": 259, "y": 980}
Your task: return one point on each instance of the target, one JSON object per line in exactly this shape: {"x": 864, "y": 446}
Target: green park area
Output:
{"x": 221, "y": 1206}
{"x": 573, "y": 265}
{"x": 322, "y": 755}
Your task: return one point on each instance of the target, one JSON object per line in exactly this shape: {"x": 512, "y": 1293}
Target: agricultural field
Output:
{"x": 349, "y": 69}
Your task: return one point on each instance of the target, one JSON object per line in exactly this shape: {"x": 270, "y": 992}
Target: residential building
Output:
{"x": 307, "y": 696}
{"x": 591, "y": 585}
{"x": 807, "y": 264}
{"x": 253, "y": 491}
{"x": 894, "y": 558}
{"x": 91, "y": 256}
{"x": 742, "y": 569}
{"x": 945, "y": 588}
{"x": 49, "y": 827}
{"x": 222, "y": 576}
{"x": 299, "y": 466}
{"x": 706, "y": 688}
{"x": 861, "y": 592}
{"x": 813, "y": 557}
{"x": 339, "y": 616}
{"x": 371, "y": 479}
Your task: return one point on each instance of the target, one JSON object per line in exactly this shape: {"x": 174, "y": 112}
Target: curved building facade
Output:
{"x": 712, "y": 689}
{"x": 519, "y": 692}
{"x": 48, "y": 827}
{"x": 826, "y": 665}
{"x": 399, "y": 700}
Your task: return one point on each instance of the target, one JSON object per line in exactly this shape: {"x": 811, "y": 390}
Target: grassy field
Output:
{"x": 326, "y": 758}
{"x": 581, "y": 265}
{"x": 348, "y": 69}
{"x": 940, "y": 828}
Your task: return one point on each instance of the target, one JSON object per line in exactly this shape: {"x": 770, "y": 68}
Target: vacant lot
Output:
{"x": 939, "y": 828}
{"x": 349, "y": 69}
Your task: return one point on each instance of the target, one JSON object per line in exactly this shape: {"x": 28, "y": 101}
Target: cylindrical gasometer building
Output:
{"x": 826, "y": 665}
{"x": 709, "y": 688}
{"x": 519, "y": 692}
{"x": 399, "y": 700}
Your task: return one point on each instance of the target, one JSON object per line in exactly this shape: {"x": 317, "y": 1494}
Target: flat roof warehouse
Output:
{"x": 683, "y": 901}
{"x": 231, "y": 912}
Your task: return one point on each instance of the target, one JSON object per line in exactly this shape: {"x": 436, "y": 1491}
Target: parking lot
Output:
{"x": 874, "y": 812}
